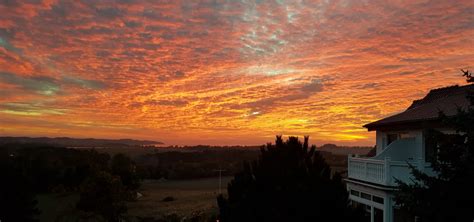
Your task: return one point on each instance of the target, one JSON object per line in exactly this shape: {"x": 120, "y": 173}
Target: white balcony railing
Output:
{"x": 384, "y": 172}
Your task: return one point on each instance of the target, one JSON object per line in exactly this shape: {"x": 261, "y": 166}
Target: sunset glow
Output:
{"x": 224, "y": 72}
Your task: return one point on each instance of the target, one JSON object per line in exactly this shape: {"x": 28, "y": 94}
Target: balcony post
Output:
{"x": 386, "y": 174}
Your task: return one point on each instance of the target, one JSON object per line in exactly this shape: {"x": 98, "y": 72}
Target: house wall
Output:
{"x": 386, "y": 206}
{"x": 382, "y": 138}
{"x": 418, "y": 135}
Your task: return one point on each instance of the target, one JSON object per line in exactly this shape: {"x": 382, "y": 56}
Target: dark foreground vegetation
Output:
{"x": 185, "y": 165}
{"x": 448, "y": 195}
{"x": 204, "y": 162}
{"x": 289, "y": 182}
{"x": 103, "y": 183}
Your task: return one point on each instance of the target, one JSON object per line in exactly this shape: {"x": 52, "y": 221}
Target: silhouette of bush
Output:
{"x": 124, "y": 167}
{"x": 29, "y": 169}
{"x": 289, "y": 182}
{"x": 103, "y": 194}
{"x": 17, "y": 199}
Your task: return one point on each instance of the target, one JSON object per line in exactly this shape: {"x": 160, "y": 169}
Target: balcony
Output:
{"x": 389, "y": 165}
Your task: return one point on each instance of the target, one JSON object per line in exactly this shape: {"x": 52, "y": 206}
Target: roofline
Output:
{"x": 420, "y": 123}
{"x": 376, "y": 125}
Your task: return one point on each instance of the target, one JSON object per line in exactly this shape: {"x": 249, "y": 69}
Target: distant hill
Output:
{"x": 73, "y": 142}
{"x": 345, "y": 150}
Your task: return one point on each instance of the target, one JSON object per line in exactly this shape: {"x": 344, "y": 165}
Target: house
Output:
{"x": 400, "y": 141}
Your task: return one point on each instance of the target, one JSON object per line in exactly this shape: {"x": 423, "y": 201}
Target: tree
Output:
{"x": 447, "y": 195}
{"x": 289, "y": 182}
{"x": 17, "y": 199}
{"x": 103, "y": 194}
{"x": 124, "y": 167}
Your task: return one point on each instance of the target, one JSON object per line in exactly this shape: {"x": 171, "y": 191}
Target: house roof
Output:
{"x": 446, "y": 100}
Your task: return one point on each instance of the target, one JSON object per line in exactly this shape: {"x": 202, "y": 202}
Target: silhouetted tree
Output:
{"x": 448, "y": 195}
{"x": 124, "y": 167}
{"x": 50, "y": 167}
{"x": 289, "y": 182}
{"x": 103, "y": 194}
{"x": 28, "y": 169}
{"x": 468, "y": 76}
{"x": 372, "y": 152}
{"x": 17, "y": 199}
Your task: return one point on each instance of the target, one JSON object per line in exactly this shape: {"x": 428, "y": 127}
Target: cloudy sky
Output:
{"x": 224, "y": 72}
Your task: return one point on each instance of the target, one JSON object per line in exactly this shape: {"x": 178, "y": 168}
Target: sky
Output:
{"x": 224, "y": 72}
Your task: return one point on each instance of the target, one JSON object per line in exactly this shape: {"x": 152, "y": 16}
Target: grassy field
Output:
{"x": 57, "y": 207}
{"x": 192, "y": 197}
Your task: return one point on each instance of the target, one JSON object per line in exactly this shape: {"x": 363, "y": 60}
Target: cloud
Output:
{"x": 5, "y": 44}
{"x": 293, "y": 94}
{"x": 39, "y": 84}
{"x": 109, "y": 12}
{"x": 161, "y": 102}
{"x": 256, "y": 67}
{"x": 169, "y": 102}
{"x": 29, "y": 109}
{"x": 313, "y": 87}
{"x": 369, "y": 86}
{"x": 89, "y": 84}
{"x": 48, "y": 86}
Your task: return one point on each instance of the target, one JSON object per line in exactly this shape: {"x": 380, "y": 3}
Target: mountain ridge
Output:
{"x": 77, "y": 142}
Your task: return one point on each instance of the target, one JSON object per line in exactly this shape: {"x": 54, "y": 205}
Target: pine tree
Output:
{"x": 289, "y": 182}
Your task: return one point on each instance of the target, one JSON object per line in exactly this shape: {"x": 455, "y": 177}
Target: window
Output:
{"x": 365, "y": 196}
{"x": 366, "y": 209}
{"x": 355, "y": 193}
{"x": 391, "y": 138}
{"x": 378, "y": 215}
{"x": 377, "y": 199}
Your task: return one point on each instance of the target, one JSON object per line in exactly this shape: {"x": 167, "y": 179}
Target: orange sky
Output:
{"x": 224, "y": 72}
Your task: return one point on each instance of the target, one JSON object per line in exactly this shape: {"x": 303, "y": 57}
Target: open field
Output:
{"x": 191, "y": 197}
{"x": 57, "y": 207}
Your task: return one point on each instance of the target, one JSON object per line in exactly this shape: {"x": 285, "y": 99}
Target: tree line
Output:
{"x": 104, "y": 183}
